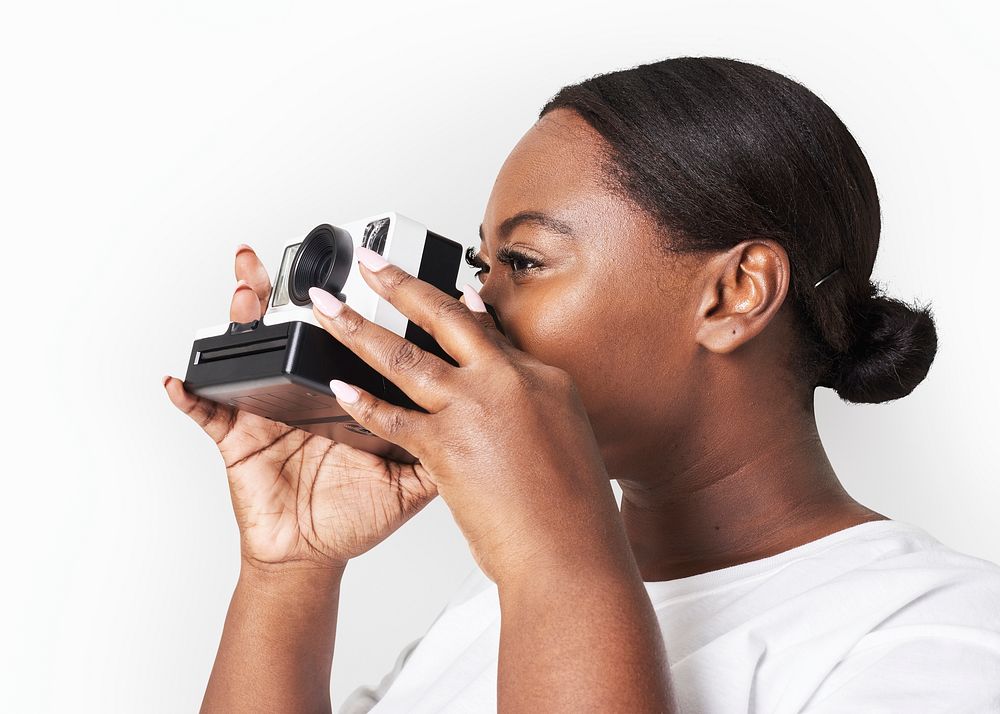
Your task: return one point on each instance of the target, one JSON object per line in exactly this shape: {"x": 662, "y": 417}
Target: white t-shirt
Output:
{"x": 878, "y": 617}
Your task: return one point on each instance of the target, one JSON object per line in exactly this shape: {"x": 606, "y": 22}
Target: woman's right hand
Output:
{"x": 301, "y": 500}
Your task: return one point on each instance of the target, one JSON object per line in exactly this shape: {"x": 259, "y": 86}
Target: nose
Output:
{"x": 490, "y": 296}
{"x": 496, "y": 318}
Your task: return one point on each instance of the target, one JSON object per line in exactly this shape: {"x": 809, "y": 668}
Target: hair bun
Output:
{"x": 893, "y": 349}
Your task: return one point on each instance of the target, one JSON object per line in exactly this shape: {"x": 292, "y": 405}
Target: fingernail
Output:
{"x": 241, "y": 284}
{"x": 243, "y": 246}
{"x": 343, "y": 391}
{"x": 472, "y": 299}
{"x": 370, "y": 259}
{"x": 325, "y": 302}
{"x": 166, "y": 378}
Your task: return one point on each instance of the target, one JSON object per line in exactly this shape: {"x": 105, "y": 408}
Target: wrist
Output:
{"x": 600, "y": 556}
{"x": 582, "y": 533}
{"x": 293, "y": 579}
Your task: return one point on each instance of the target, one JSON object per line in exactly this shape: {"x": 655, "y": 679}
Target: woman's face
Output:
{"x": 596, "y": 296}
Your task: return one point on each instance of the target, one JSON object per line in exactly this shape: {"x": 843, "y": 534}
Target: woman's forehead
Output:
{"x": 556, "y": 165}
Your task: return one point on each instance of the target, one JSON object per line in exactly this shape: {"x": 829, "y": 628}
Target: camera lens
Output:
{"x": 323, "y": 261}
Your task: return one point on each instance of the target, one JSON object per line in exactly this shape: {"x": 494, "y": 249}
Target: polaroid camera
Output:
{"x": 280, "y": 366}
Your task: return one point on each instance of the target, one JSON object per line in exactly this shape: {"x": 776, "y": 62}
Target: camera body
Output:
{"x": 280, "y": 366}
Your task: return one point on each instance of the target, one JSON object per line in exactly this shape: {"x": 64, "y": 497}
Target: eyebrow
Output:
{"x": 553, "y": 225}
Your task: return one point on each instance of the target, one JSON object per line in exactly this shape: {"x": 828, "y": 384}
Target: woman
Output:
{"x": 678, "y": 254}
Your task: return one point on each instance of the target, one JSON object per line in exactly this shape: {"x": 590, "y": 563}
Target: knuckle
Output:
{"x": 445, "y": 307}
{"x": 438, "y": 372}
{"x": 405, "y": 357}
{"x": 433, "y": 373}
{"x": 558, "y": 382}
{"x": 525, "y": 380}
{"x": 536, "y": 378}
{"x": 514, "y": 377}
{"x": 351, "y": 322}
{"x": 369, "y": 408}
{"x": 394, "y": 423}
{"x": 487, "y": 321}
{"x": 207, "y": 416}
{"x": 396, "y": 280}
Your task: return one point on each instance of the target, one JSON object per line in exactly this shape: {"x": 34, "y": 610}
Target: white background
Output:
{"x": 141, "y": 142}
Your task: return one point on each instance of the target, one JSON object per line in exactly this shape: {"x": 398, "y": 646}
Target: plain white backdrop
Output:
{"x": 141, "y": 142}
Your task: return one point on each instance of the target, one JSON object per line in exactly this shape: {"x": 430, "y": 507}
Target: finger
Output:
{"x": 216, "y": 419}
{"x": 404, "y": 427}
{"x": 245, "y": 307}
{"x": 424, "y": 377}
{"x": 443, "y": 317}
{"x": 250, "y": 269}
{"x": 471, "y": 299}
{"x": 487, "y": 317}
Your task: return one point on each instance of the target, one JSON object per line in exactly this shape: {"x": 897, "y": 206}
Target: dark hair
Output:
{"x": 719, "y": 151}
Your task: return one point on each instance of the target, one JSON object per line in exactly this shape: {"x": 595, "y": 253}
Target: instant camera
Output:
{"x": 280, "y": 366}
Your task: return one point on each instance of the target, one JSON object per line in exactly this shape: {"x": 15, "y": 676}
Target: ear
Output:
{"x": 743, "y": 291}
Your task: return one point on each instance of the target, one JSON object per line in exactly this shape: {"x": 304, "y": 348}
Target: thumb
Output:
{"x": 216, "y": 419}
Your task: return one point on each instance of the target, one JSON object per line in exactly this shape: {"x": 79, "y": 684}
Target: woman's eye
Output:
{"x": 516, "y": 259}
{"x": 519, "y": 262}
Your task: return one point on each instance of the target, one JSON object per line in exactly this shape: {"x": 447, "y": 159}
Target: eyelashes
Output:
{"x": 472, "y": 258}
{"x": 506, "y": 256}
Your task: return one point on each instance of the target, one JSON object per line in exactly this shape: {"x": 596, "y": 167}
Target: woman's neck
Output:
{"x": 755, "y": 493}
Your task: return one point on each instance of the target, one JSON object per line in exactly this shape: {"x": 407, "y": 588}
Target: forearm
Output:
{"x": 582, "y": 637}
{"x": 277, "y": 643}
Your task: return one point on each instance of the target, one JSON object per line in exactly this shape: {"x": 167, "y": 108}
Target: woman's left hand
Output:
{"x": 506, "y": 439}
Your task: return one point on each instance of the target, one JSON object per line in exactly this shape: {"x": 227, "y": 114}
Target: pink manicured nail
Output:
{"x": 370, "y": 259}
{"x": 472, "y": 299}
{"x": 325, "y": 302}
{"x": 343, "y": 391}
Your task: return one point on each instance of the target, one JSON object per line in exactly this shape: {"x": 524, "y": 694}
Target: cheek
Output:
{"x": 622, "y": 352}
{"x": 556, "y": 324}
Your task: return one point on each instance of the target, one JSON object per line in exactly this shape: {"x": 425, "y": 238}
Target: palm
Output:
{"x": 297, "y": 495}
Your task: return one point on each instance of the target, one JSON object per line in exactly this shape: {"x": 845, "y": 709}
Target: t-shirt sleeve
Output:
{"x": 946, "y": 668}
{"x": 363, "y": 698}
